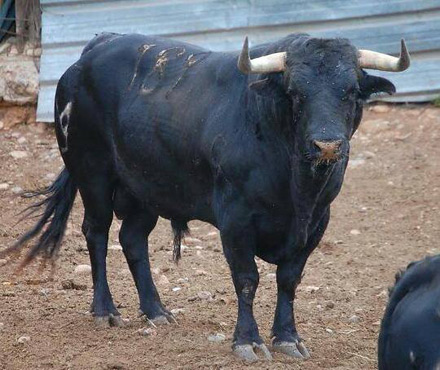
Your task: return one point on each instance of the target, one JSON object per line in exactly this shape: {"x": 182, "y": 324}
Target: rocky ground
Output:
{"x": 385, "y": 217}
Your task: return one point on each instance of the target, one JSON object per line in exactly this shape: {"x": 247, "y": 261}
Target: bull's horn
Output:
{"x": 266, "y": 64}
{"x": 373, "y": 60}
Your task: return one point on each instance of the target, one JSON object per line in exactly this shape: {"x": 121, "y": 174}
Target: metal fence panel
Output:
{"x": 222, "y": 25}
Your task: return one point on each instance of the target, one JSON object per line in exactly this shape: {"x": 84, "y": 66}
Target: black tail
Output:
{"x": 58, "y": 202}
{"x": 180, "y": 229}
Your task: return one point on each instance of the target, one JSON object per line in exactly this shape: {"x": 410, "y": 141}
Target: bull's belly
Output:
{"x": 170, "y": 195}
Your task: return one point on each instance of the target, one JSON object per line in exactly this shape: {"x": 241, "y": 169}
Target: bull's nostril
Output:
{"x": 328, "y": 149}
{"x": 328, "y": 145}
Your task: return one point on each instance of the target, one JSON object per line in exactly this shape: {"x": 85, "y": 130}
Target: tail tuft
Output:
{"x": 180, "y": 229}
{"x": 58, "y": 202}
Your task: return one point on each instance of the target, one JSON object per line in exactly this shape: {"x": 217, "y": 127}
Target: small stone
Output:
{"x": 163, "y": 280}
{"x": 355, "y": 232}
{"x": 155, "y": 271}
{"x": 176, "y": 289}
{"x": 212, "y": 235}
{"x": 312, "y": 289}
{"x": 2, "y": 125}
{"x": 37, "y": 52}
{"x": 329, "y": 330}
{"x": 18, "y": 154}
{"x": 217, "y": 337}
{"x": 24, "y": 339}
{"x": 147, "y": 332}
{"x": 83, "y": 269}
{"x": 70, "y": 284}
{"x": 354, "y": 319}
{"x": 115, "y": 247}
{"x": 44, "y": 292}
{"x": 356, "y": 162}
{"x": 3, "y": 262}
{"x": 381, "y": 108}
{"x": 2, "y": 325}
{"x": 17, "y": 190}
{"x": 4, "y": 186}
{"x": 205, "y": 295}
{"x": 226, "y": 300}
{"x": 21, "y": 140}
{"x": 50, "y": 176}
{"x": 13, "y": 50}
{"x": 369, "y": 155}
{"x": 177, "y": 311}
{"x": 192, "y": 241}
{"x": 201, "y": 272}
{"x": 125, "y": 271}
{"x": 330, "y": 305}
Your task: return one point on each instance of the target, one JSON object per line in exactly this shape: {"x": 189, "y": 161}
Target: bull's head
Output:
{"x": 324, "y": 82}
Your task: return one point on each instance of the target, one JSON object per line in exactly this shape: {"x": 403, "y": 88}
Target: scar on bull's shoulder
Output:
{"x": 142, "y": 50}
{"x": 163, "y": 57}
{"x": 191, "y": 60}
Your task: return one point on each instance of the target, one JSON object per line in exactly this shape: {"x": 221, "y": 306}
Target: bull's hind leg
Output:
{"x": 134, "y": 240}
{"x": 97, "y": 199}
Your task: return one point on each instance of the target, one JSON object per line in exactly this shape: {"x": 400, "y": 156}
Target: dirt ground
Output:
{"x": 385, "y": 217}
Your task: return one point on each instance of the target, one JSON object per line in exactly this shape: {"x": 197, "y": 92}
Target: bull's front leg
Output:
{"x": 284, "y": 333}
{"x": 239, "y": 250}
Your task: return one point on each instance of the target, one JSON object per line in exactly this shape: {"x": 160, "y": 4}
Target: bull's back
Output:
{"x": 155, "y": 105}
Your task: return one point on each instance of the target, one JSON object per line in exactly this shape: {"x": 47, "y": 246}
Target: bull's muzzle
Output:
{"x": 328, "y": 151}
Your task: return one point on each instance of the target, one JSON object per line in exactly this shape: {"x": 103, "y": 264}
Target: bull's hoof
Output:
{"x": 108, "y": 321}
{"x": 295, "y": 349}
{"x": 248, "y": 352}
{"x": 165, "y": 318}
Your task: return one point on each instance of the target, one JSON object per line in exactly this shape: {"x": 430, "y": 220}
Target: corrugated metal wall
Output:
{"x": 222, "y": 25}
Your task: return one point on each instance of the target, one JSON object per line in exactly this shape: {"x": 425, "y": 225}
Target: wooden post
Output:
{"x": 28, "y": 21}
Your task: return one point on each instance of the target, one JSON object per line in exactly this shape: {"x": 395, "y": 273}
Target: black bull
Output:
{"x": 410, "y": 332}
{"x": 151, "y": 127}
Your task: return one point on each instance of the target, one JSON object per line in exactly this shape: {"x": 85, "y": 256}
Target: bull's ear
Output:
{"x": 268, "y": 88}
{"x": 374, "y": 85}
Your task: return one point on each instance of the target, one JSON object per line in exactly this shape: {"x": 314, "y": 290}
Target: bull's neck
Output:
{"x": 270, "y": 118}
{"x": 312, "y": 188}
